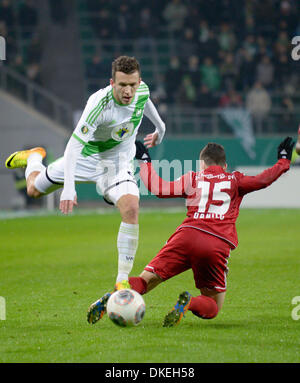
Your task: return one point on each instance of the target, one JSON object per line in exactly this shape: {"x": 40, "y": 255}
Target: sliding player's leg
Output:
{"x": 144, "y": 283}
{"x": 209, "y": 270}
{"x": 171, "y": 260}
{"x": 217, "y": 296}
{"x": 208, "y": 304}
{"x": 205, "y": 306}
{"x": 147, "y": 281}
{"x": 177, "y": 312}
{"x": 208, "y": 256}
{"x": 210, "y": 274}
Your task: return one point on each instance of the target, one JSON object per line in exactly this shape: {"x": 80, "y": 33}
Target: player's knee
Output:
{"x": 207, "y": 315}
{"x": 130, "y": 212}
{"x": 33, "y": 192}
{"x": 205, "y": 307}
{"x": 213, "y": 313}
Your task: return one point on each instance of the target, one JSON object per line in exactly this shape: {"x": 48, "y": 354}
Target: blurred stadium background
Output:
{"x": 217, "y": 70}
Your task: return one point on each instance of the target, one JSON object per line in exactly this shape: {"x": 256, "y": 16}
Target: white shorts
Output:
{"x": 112, "y": 180}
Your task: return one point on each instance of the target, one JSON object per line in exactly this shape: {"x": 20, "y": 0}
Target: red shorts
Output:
{"x": 190, "y": 248}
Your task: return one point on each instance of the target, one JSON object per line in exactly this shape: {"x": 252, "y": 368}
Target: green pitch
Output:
{"x": 53, "y": 267}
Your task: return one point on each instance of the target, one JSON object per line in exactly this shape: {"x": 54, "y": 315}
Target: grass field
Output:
{"x": 53, "y": 267}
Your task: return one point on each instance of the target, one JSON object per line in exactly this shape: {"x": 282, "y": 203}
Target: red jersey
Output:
{"x": 213, "y": 196}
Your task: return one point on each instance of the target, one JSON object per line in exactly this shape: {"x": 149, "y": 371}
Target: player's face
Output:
{"x": 124, "y": 86}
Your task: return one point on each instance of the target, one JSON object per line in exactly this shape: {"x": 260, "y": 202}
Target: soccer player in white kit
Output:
{"x": 101, "y": 150}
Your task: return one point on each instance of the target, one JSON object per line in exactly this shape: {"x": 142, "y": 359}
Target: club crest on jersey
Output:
{"x": 121, "y": 132}
{"x": 84, "y": 129}
{"x": 138, "y": 112}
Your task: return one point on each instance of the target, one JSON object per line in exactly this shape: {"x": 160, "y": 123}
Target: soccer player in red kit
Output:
{"x": 205, "y": 238}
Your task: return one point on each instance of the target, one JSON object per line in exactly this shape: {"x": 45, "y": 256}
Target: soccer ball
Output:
{"x": 126, "y": 308}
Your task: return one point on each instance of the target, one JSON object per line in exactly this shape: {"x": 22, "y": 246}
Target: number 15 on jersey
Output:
{"x": 215, "y": 201}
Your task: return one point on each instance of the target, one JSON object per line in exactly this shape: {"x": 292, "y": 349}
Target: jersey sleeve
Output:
{"x": 89, "y": 119}
{"x": 71, "y": 154}
{"x": 248, "y": 184}
{"x": 165, "y": 189}
{"x": 152, "y": 113}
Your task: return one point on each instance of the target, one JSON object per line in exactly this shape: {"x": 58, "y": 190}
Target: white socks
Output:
{"x": 34, "y": 164}
{"x": 127, "y": 243}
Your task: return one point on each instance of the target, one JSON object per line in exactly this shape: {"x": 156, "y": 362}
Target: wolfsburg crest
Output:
{"x": 121, "y": 132}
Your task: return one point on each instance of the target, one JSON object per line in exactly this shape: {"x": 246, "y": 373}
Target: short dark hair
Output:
{"x": 213, "y": 154}
{"x": 126, "y": 65}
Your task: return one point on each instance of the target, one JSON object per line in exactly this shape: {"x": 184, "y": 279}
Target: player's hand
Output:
{"x": 285, "y": 148}
{"x": 66, "y": 206}
{"x": 142, "y": 153}
{"x": 66, "y": 203}
{"x": 150, "y": 140}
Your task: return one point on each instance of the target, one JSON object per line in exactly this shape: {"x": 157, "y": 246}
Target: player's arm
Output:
{"x": 248, "y": 184}
{"x": 68, "y": 196}
{"x": 80, "y": 136}
{"x": 155, "y": 138}
{"x": 154, "y": 183}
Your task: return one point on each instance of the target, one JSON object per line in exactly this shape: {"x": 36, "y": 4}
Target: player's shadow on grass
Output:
{"x": 225, "y": 326}
{"x": 208, "y": 324}
{"x": 198, "y": 324}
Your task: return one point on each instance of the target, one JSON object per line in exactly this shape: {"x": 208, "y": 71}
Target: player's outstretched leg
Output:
{"x": 98, "y": 308}
{"x": 175, "y": 315}
{"x": 19, "y": 159}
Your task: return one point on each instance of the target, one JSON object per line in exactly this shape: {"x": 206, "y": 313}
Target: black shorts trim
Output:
{"x": 118, "y": 183}
{"x": 107, "y": 201}
{"x": 49, "y": 179}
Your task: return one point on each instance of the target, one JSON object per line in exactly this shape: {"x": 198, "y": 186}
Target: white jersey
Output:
{"x": 108, "y": 128}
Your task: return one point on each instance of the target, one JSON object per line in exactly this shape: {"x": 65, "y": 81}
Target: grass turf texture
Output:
{"x": 53, "y": 267}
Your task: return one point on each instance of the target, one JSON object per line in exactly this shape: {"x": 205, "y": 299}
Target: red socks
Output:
{"x": 204, "y": 307}
{"x": 201, "y": 306}
{"x": 138, "y": 284}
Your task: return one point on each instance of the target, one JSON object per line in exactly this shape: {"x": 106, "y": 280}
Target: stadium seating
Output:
{"x": 230, "y": 30}
{"x": 219, "y": 30}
